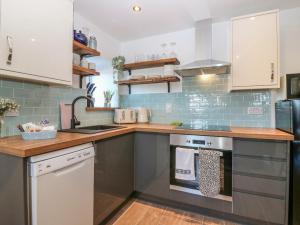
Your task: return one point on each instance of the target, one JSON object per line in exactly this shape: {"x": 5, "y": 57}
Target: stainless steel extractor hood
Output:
{"x": 204, "y": 63}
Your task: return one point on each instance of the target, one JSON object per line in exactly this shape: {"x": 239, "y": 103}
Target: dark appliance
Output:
{"x": 292, "y": 86}
{"x": 287, "y": 114}
{"x": 196, "y": 144}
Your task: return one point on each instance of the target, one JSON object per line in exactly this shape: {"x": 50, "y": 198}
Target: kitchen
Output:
{"x": 145, "y": 118}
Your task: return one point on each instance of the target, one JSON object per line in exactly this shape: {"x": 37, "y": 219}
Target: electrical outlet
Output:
{"x": 255, "y": 111}
{"x": 168, "y": 107}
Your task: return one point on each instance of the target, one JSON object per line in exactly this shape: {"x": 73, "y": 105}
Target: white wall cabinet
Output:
{"x": 38, "y": 35}
{"x": 255, "y": 51}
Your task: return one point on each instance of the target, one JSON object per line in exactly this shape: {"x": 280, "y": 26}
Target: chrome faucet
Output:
{"x": 74, "y": 121}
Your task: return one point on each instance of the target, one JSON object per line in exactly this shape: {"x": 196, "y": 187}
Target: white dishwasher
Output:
{"x": 62, "y": 186}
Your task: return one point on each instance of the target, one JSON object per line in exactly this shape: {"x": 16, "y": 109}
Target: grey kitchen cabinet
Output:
{"x": 151, "y": 161}
{"x": 261, "y": 180}
{"x": 152, "y": 174}
{"x": 113, "y": 175}
{"x": 13, "y": 190}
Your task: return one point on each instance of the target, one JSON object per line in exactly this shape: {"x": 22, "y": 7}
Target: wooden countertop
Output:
{"x": 16, "y": 146}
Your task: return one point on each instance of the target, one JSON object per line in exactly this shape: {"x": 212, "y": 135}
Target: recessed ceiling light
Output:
{"x": 137, "y": 8}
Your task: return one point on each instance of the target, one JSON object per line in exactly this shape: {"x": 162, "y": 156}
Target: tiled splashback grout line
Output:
{"x": 40, "y": 101}
{"x": 206, "y": 100}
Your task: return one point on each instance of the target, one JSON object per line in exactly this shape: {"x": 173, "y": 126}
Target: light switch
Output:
{"x": 168, "y": 107}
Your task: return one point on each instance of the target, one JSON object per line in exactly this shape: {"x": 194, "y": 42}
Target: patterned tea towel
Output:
{"x": 209, "y": 166}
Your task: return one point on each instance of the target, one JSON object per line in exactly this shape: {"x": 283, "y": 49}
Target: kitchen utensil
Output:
{"x": 20, "y": 128}
{"x": 84, "y": 63}
{"x": 89, "y": 105}
{"x": 172, "y": 47}
{"x": 92, "y": 92}
{"x": 137, "y": 77}
{"x": 93, "y": 42}
{"x": 91, "y": 86}
{"x": 80, "y": 37}
{"x": 144, "y": 115}
{"x": 76, "y": 59}
{"x": 88, "y": 85}
{"x": 92, "y": 66}
{"x": 153, "y": 76}
{"x": 164, "y": 51}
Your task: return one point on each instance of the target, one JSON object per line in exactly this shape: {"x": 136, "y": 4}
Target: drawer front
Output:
{"x": 259, "y": 166}
{"x": 259, "y": 208}
{"x": 273, "y": 149}
{"x": 260, "y": 185}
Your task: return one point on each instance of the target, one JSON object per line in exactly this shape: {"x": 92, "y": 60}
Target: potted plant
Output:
{"x": 6, "y": 105}
{"x": 107, "y": 97}
{"x": 118, "y": 66}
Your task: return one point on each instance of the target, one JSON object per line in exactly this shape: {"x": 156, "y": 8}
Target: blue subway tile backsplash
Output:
{"x": 40, "y": 101}
{"x": 205, "y": 100}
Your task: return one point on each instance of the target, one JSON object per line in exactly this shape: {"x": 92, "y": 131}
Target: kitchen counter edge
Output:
{"x": 16, "y": 146}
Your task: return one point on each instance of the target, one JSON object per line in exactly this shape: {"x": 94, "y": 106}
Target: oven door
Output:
{"x": 192, "y": 187}
{"x": 184, "y": 184}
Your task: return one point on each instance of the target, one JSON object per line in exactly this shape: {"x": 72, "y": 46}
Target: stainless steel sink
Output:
{"x": 92, "y": 129}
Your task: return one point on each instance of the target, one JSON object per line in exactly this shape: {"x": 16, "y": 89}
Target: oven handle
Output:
{"x": 196, "y": 151}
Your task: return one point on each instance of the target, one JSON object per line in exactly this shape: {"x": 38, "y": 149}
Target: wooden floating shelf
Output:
{"x": 151, "y": 64}
{"x": 83, "y": 50}
{"x": 95, "y": 109}
{"x": 149, "y": 81}
{"x": 82, "y": 71}
{"x": 167, "y": 80}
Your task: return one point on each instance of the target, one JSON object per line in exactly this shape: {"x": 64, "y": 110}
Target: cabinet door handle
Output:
{"x": 10, "y": 50}
{"x": 272, "y": 72}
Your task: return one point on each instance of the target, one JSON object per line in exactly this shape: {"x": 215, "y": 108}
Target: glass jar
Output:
{"x": 93, "y": 42}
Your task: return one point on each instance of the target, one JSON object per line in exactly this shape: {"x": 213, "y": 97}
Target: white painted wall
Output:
{"x": 185, "y": 45}
{"x": 109, "y": 48}
{"x": 185, "y": 40}
{"x": 221, "y": 41}
{"x": 185, "y": 49}
{"x": 289, "y": 47}
{"x": 289, "y": 50}
{"x": 290, "y": 41}
{"x": 108, "y": 45}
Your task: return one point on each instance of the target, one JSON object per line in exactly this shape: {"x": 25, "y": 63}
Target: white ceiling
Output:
{"x": 161, "y": 16}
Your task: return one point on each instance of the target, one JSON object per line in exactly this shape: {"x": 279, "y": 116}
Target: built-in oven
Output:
{"x": 196, "y": 144}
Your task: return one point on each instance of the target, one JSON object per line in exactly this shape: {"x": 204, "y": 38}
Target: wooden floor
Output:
{"x": 138, "y": 212}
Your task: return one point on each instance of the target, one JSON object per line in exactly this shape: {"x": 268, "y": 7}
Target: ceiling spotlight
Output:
{"x": 137, "y": 8}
